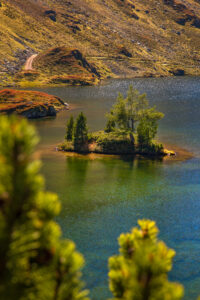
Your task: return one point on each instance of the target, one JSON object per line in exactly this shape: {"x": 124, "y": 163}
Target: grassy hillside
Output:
{"x": 59, "y": 65}
{"x": 120, "y": 37}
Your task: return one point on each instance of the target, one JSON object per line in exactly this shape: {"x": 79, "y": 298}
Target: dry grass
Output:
{"x": 147, "y": 29}
{"x": 60, "y": 65}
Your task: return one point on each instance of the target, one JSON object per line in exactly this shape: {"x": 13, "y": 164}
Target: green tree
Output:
{"x": 119, "y": 112}
{"x": 140, "y": 271}
{"x": 69, "y": 129}
{"x": 34, "y": 262}
{"x": 110, "y": 124}
{"x": 80, "y": 131}
{"x": 147, "y": 127}
{"x": 133, "y": 113}
{"x": 126, "y": 112}
{"x": 136, "y": 103}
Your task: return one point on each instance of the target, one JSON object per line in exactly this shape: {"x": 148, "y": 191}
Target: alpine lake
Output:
{"x": 103, "y": 196}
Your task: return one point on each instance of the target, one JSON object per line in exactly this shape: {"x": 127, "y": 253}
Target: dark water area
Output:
{"x": 105, "y": 196}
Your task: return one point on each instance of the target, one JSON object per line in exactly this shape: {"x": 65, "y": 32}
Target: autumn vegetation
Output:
{"x": 29, "y": 103}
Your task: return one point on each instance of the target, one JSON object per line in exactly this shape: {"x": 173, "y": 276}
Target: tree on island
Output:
{"x": 69, "y": 129}
{"x": 127, "y": 111}
{"x": 133, "y": 114}
{"x": 117, "y": 115}
{"x": 147, "y": 127}
{"x": 80, "y": 135}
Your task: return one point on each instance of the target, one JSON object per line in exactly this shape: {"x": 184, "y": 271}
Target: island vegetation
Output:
{"x": 130, "y": 129}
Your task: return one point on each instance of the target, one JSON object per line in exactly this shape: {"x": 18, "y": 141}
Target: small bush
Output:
{"x": 151, "y": 149}
{"x": 116, "y": 142}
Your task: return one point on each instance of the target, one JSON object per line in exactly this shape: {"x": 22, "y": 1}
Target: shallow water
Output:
{"x": 105, "y": 196}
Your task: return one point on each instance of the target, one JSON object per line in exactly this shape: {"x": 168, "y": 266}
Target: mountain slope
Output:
{"x": 120, "y": 37}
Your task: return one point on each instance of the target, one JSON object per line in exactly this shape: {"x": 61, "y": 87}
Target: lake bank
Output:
{"x": 82, "y": 81}
{"x": 172, "y": 153}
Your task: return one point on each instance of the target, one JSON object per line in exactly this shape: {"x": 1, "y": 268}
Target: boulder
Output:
{"x": 39, "y": 112}
{"x": 178, "y": 72}
{"x": 125, "y": 52}
{"x": 51, "y": 14}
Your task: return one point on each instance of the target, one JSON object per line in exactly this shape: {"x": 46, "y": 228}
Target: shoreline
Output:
{"x": 180, "y": 155}
{"x": 100, "y": 82}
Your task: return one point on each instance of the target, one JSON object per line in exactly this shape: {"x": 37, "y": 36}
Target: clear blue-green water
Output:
{"x": 105, "y": 196}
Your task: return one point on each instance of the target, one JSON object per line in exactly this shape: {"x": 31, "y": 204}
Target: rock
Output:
{"x": 51, "y": 14}
{"x": 182, "y": 21}
{"x": 187, "y": 14}
{"x": 133, "y": 15}
{"x": 125, "y": 52}
{"x": 178, "y": 72}
{"x": 175, "y": 5}
{"x": 75, "y": 28}
{"x": 66, "y": 105}
{"x": 134, "y": 68}
{"x": 39, "y": 112}
{"x": 196, "y": 22}
{"x": 169, "y": 152}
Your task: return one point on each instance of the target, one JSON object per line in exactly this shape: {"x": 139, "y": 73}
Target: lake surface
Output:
{"x": 105, "y": 196}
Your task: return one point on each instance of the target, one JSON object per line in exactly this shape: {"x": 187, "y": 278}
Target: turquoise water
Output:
{"x": 105, "y": 196}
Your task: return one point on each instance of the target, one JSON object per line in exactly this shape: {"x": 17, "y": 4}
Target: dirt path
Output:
{"x": 28, "y": 65}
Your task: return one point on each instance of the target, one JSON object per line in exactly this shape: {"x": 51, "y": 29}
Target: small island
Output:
{"x": 131, "y": 128}
{"x": 30, "y": 104}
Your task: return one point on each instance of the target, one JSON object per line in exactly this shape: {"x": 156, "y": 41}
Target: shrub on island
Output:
{"x": 116, "y": 142}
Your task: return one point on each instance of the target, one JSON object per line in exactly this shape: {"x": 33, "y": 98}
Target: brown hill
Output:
{"x": 121, "y": 38}
{"x": 30, "y": 104}
{"x": 59, "y": 65}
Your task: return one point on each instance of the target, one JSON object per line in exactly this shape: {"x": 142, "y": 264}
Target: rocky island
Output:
{"x": 30, "y": 104}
